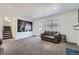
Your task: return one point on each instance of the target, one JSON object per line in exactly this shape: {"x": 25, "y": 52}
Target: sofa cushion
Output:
{"x": 56, "y": 34}
{"x": 50, "y": 37}
{"x": 49, "y": 33}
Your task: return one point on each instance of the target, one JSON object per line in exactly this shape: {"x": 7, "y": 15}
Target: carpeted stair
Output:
{"x": 7, "y": 34}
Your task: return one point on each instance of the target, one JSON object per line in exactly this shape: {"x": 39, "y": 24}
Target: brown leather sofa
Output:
{"x": 51, "y": 36}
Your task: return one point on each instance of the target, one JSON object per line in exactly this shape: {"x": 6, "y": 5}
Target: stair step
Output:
{"x": 6, "y": 33}
{"x": 7, "y": 38}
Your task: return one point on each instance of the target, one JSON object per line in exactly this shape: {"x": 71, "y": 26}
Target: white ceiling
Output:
{"x": 31, "y": 10}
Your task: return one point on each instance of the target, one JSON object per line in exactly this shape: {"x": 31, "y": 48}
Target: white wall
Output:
{"x": 19, "y": 35}
{"x": 6, "y": 23}
{"x": 67, "y": 21}
{"x": 36, "y": 25}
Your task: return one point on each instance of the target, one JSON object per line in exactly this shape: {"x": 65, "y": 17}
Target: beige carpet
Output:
{"x": 32, "y": 46}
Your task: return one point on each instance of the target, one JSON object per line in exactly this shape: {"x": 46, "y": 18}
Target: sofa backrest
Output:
{"x": 50, "y": 33}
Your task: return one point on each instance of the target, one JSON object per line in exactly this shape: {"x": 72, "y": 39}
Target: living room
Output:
{"x": 59, "y": 19}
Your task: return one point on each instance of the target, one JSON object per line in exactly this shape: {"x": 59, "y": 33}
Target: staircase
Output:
{"x": 7, "y": 34}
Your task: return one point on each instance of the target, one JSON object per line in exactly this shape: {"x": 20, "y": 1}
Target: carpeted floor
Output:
{"x": 32, "y": 46}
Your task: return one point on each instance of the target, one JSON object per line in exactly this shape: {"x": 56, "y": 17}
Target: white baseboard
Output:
{"x": 78, "y": 44}
{"x": 73, "y": 42}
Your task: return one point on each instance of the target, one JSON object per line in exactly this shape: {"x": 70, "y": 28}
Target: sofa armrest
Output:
{"x": 42, "y": 34}
{"x": 57, "y": 36}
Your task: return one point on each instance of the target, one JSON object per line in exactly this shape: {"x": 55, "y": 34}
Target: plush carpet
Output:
{"x": 32, "y": 46}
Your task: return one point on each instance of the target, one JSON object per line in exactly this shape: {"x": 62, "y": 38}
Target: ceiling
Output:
{"x": 35, "y": 10}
